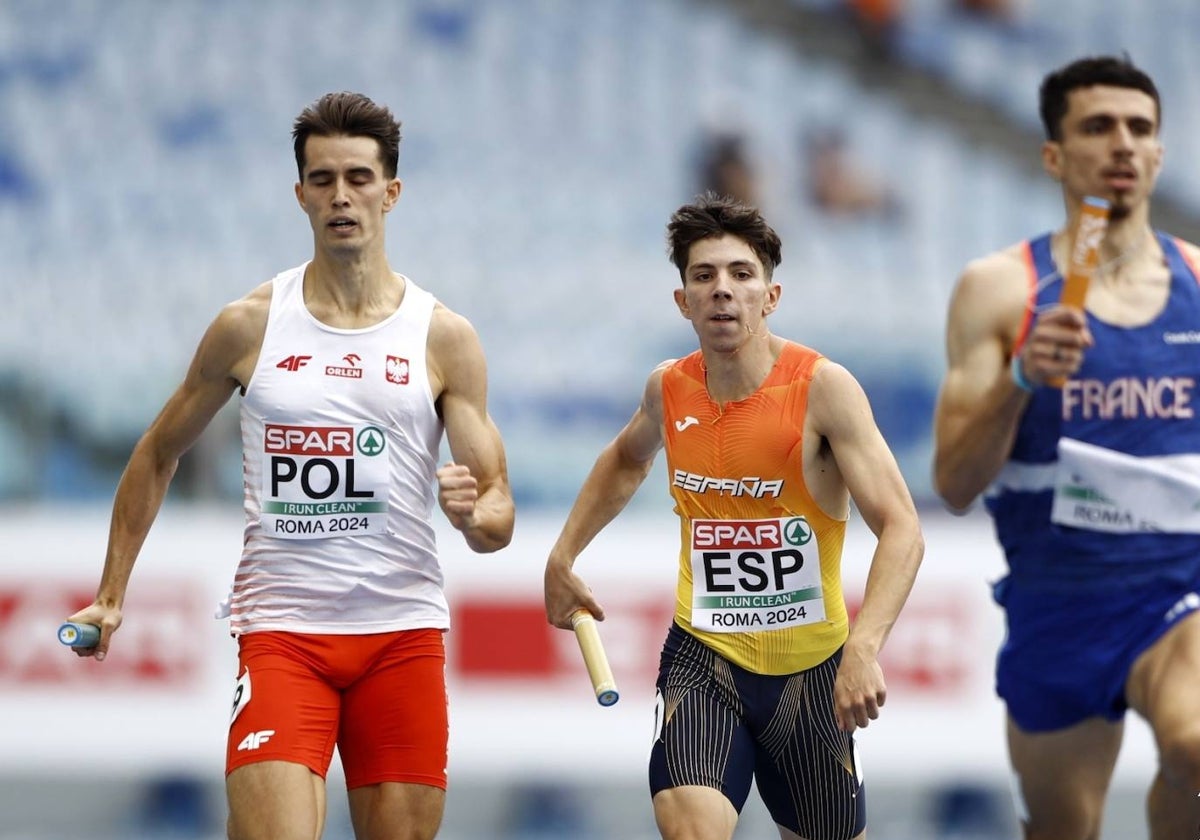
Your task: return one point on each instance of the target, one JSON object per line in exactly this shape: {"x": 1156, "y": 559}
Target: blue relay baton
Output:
{"x": 77, "y": 635}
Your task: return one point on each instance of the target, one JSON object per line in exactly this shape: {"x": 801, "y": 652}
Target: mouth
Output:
{"x": 342, "y": 224}
{"x": 723, "y": 316}
{"x": 1120, "y": 178}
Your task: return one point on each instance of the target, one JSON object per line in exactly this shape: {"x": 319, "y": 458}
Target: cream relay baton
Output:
{"x": 593, "y": 657}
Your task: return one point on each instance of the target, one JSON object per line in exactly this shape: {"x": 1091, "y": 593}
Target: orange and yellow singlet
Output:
{"x": 759, "y": 562}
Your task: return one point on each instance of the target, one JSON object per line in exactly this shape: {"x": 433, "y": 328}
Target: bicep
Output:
{"x": 866, "y": 463}
{"x": 472, "y": 436}
{"x": 642, "y": 437}
{"x": 977, "y": 343}
{"x": 207, "y": 386}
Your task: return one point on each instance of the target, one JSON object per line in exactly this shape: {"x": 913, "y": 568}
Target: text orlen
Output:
{"x": 752, "y": 486}
{"x": 1128, "y": 398}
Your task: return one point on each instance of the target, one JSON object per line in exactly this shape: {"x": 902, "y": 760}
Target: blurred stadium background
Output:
{"x": 145, "y": 180}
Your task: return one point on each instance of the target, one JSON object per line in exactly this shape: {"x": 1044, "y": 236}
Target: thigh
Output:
{"x": 1164, "y": 681}
{"x": 283, "y": 708}
{"x": 1066, "y": 655}
{"x": 700, "y": 738}
{"x": 395, "y": 725}
{"x": 697, "y": 813}
{"x": 1062, "y": 777}
{"x": 275, "y": 800}
{"x": 1163, "y": 686}
{"x": 807, "y": 770}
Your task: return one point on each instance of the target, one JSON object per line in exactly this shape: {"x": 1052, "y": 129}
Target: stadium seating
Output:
{"x": 146, "y": 174}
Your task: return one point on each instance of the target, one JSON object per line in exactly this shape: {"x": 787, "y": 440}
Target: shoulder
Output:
{"x": 452, "y": 337}
{"x": 992, "y": 294}
{"x": 1191, "y": 252}
{"x": 454, "y": 353}
{"x": 446, "y": 325}
{"x": 832, "y": 380}
{"x": 837, "y": 403}
{"x": 1000, "y": 270}
{"x": 652, "y": 394}
{"x": 244, "y": 320}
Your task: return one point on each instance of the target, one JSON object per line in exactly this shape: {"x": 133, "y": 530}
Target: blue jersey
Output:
{"x": 1134, "y": 394}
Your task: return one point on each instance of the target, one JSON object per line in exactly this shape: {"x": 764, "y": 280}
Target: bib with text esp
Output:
{"x": 755, "y": 574}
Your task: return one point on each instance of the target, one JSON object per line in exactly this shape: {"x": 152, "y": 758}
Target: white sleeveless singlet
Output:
{"x": 340, "y": 445}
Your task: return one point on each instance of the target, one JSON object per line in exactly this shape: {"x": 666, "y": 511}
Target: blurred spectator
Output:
{"x": 876, "y": 22}
{"x": 1000, "y": 11}
{"x": 725, "y": 168}
{"x": 838, "y": 185}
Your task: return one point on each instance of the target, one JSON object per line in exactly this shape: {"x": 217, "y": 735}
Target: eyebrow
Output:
{"x": 354, "y": 170}
{"x": 733, "y": 264}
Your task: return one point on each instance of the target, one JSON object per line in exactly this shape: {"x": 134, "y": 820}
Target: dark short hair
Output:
{"x": 1113, "y": 71}
{"x": 713, "y": 215}
{"x": 352, "y": 115}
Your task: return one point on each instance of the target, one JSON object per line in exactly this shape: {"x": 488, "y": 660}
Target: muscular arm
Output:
{"x": 473, "y": 489}
{"x": 979, "y": 405}
{"x": 231, "y": 339}
{"x": 619, "y": 471}
{"x": 840, "y": 413}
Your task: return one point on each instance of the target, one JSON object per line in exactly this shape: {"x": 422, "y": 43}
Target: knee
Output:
{"x": 1179, "y": 757}
{"x": 1089, "y": 829}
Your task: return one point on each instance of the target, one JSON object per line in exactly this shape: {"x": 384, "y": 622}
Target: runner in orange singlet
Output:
{"x": 762, "y": 678}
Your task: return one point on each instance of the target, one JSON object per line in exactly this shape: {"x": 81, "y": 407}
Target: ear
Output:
{"x": 300, "y": 196}
{"x": 774, "y": 291}
{"x": 681, "y": 302}
{"x": 1052, "y": 159}
{"x": 394, "y": 188}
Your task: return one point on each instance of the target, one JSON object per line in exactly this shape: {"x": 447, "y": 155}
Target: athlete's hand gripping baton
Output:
{"x": 594, "y": 658}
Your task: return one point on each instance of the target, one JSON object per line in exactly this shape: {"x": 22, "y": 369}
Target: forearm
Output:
{"x": 139, "y": 497}
{"x": 973, "y": 441}
{"x": 893, "y": 569}
{"x": 607, "y": 490}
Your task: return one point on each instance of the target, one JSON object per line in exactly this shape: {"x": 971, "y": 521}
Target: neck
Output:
{"x": 735, "y": 374}
{"x": 353, "y": 292}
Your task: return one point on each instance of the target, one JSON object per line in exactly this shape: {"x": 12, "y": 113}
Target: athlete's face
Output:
{"x": 344, "y": 192}
{"x": 726, "y": 293}
{"x": 1110, "y": 147}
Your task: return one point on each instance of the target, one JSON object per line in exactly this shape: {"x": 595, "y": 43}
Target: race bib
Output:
{"x": 755, "y": 574}
{"x": 1103, "y": 490}
{"x": 323, "y": 481}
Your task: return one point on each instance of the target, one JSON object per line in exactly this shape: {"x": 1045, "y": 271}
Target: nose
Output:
{"x": 1123, "y": 139}
{"x": 341, "y": 195}
{"x": 722, "y": 289}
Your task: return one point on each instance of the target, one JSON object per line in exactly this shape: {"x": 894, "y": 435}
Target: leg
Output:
{"x": 1063, "y": 777}
{"x": 702, "y": 758}
{"x": 693, "y": 812}
{"x": 280, "y": 742}
{"x": 784, "y": 834}
{"x": 396, "y": 811}
{"x": 275, "y": 800}
{"x": 807, "y": 770}
{"x": 1163, "y": 686}
{"x": 393, "y": 740}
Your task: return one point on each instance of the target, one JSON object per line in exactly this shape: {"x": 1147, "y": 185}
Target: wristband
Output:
{"x": 1018, "y": 375}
